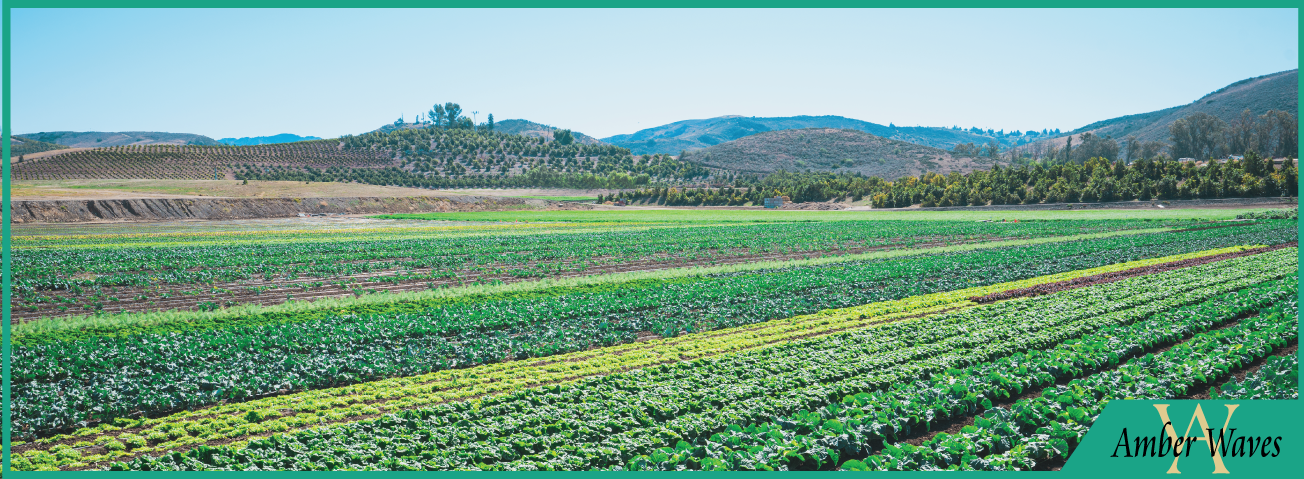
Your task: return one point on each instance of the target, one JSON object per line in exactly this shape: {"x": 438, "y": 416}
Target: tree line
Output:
{"x": 1095, "y": 180}
{"x": 1198, "y": 136}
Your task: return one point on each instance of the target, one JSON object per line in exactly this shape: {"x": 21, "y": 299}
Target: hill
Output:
{"x": 100, "y": 139}
{"x": 19, "y": 146}
{"x": 688, "y": 135}
{"x": 266, "y": 140}
{"x": 194, "y": 162}
{"x": 1277, "y": 91}
{"x": 829, "y": 149}
{"x": 537, "y": 130}
{"x": 415, "y": 157}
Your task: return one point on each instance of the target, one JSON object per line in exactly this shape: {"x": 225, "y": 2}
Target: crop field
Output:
{"x": 189, "y": 162}
{"x": 700, "y": 340}
{"x": 59, "y": 275}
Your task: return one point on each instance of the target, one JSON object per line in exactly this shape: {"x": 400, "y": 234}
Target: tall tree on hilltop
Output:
{"x": 437, "y": 115}
{"x": 453, "y": 112}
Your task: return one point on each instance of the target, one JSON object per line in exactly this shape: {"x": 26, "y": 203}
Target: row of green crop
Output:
{"x": 870, "y": 424}
{"x": 1277, "y": 378}
{"x": 522, "y": 255}
{"x": 1049, "y": 427}
{"x": 605, "y": 421}
{"x": 69, "y": 379}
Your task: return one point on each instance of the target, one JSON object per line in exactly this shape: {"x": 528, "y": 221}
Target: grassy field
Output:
{"x": 559, "y": 198}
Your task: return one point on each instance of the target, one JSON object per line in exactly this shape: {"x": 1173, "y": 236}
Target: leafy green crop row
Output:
{"x": 1050, "y": 426}
{"x": 604, "y": 421}
{"x": 64, "y": 384}
{"x": 1277, "y": 378}
{"x": 870, "y": 423}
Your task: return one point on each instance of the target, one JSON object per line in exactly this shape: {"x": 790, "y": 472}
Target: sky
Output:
{"x": 326, "y": 73}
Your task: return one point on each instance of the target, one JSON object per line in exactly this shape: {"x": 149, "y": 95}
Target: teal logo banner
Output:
{"x": 1193, "y": 437}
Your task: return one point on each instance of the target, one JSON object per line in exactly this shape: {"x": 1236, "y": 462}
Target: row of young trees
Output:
{"x": 1097, "y": 179}
{"x": 534, "y": 178}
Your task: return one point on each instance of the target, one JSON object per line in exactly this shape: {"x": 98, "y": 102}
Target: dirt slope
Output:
{"x": 167, "y": 209}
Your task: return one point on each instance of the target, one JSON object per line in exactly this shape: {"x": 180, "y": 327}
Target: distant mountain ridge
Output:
{"x": 19, "y": 146}
{"x": 689, "y": 135}
{"x": 830, "y": 149}
{"x": 98, "y": 139}
{"x": 266, "y": 140}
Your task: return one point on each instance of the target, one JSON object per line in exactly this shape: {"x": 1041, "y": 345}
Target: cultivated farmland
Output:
{"x": 651, "y": 340}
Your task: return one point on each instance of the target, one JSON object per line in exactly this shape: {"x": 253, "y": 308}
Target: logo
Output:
{"x": 1224, "y": 443}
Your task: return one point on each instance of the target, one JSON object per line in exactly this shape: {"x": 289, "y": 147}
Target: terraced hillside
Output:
{"x": 426, "y": 157}
{"x": 183, "y": 162}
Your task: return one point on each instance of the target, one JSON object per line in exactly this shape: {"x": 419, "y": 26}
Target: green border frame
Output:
{"x": 5, "y": 91}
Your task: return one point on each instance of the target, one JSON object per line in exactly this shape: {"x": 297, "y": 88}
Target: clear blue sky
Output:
{"x": 233, "y": 73}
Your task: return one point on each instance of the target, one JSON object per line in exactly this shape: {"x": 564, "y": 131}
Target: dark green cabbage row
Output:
{"x": 1277, "y": 378}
